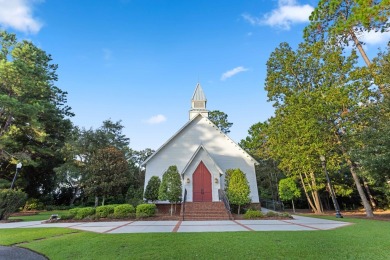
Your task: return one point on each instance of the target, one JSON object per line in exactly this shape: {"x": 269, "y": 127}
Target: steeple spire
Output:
{"x": 198, "y": 103}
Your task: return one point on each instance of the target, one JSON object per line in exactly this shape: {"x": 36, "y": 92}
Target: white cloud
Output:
{"x": 288, "y": 12}
{"x": 375, "y": 38}
{"x": 17, "y": 14}
{"x": 157, "y": 119}
{"x": 231, "y": 73}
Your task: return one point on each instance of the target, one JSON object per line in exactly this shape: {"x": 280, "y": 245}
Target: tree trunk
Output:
{"x": 171, "y": 209}
{"x": 363, "y": 197}
{"x": 365, "y": 57}
{"x": 315, "y": 194}
{"x": 292, "y": 201}
{"x": 238, "y": 210}
{"x": 309, "y": 200}
{"x": 372, "y": 201}
{"x": 96, "y": 201}
{"x": 75, "y": 191}
{"x": 103, "y": 200}
{"x": 360, "y": 48}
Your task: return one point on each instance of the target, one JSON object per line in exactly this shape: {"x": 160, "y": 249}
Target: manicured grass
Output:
{"x": 366, "y": 239}
{"x": 44, "y": 215}
{"x": 25, "y": 235}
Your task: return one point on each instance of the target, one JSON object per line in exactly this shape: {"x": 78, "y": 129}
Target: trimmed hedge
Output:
{"x": 81, "y": 213}
{"x": 272, "y": 214}
{"x": 124, "y": 211}
{"x": 10, "y": 201}
{"x": 145, "y": 210}
{"x": 253, "y": 214}
{"x": 104, "y": 211}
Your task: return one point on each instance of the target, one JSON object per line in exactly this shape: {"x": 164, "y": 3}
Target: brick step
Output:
{"x": 205, "y": 212}
{"x": 207, "y": 217}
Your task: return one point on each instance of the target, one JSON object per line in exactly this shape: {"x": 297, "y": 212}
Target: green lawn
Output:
{"x": 366, "y": 239}
{"x": 43, "y": 215}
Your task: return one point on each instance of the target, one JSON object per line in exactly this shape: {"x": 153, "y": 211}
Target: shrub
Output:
{"x": 33, "y": 204}
{"x": 145, "y": 210}
{"x": 151, "y": 191}
{"x": 10, "y": 201}
{"x": 285, "y": 215}
{"x": 253, "y": 214}
{"x": 271, "y": 214}
{"x": 67, "y": 216}
{"x": 82, "y": 213}
{"x": 104, "y": 211}
{"x": 74, "y": 211}
{"x": 124, "y": 211}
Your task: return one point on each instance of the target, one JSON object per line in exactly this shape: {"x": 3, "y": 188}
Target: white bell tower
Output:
{"x": 198, "y": 103}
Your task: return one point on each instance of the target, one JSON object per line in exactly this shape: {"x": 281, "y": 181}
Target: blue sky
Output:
{"x": 139, "y": 60}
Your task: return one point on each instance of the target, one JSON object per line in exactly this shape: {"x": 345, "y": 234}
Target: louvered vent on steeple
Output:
{"x": 198, "y": 103}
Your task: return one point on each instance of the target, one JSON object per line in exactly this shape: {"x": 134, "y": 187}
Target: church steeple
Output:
{"x": 198, "y": 103}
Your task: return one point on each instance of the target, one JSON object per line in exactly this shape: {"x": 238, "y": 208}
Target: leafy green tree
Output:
{"x": 11, "y": 201}
{"x": 267, "y": 172}
{"x": 33, "y": 115}
{"x": 171, "y": 186}
{"x": 151, "y": 191}
{"x": 319, "y": 96}
{"x": 108, "y": 173}
{"x": 238, "y": 189}
{"x": 374, "y": 153}
{"x": 288, "y": 190}
{"x": 220, "y": 119}
{"x": 344, "y": 20}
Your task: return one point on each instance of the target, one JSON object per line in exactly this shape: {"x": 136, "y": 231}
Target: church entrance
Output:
{"x": 201, "y": 180}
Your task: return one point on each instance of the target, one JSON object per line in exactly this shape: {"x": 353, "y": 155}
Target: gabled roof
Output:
{"x": 188, "y": 123}
{"x": 194, "y": 155}
{"x": 199, "y": 94}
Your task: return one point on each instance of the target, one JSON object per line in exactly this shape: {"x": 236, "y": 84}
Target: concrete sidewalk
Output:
{"x": 299, "y": 223}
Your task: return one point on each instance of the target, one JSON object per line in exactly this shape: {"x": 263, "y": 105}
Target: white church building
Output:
{"x": 202, "y": 154}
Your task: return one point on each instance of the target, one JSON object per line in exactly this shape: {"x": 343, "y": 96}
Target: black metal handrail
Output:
{"x": 224, "y": 199}
{"x": 184, "y": 203}
{"x": 272, "y": 204}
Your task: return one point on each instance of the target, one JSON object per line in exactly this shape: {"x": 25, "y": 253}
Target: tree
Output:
{"x": 220, "y": 119}
{"x": 238, "y": 189}
{"x": 33, "y": 115}
{"x": 288, "y": 190}
{"x": 151, "y": 191}
{"x": 344, "y": 20}
{"x": 171, "y": 186}
{"x": 267, "y": 172}
{"x": 108, "y": 173}
{"x": 321, "y": 99}
{"x": 11, "y": 201}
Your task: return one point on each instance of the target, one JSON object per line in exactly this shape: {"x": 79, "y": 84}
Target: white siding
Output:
{"x": 179, "y": 150}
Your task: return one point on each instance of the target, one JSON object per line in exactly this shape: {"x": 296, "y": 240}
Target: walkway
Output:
{"x": 299, "y": 223}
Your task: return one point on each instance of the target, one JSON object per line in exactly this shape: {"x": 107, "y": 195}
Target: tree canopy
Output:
{"x": 220, "y": 119}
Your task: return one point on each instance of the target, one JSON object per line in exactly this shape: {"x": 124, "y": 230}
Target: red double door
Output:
{"x": 201, "y": 181}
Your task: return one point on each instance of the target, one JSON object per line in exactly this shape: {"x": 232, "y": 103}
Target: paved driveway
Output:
{"x": 299, "y": 223}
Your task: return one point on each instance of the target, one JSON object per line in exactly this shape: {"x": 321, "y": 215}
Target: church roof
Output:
{"x": 199, "y": 94}
{"x": 194, "y": 155}
{"x": 185, "y": 126}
